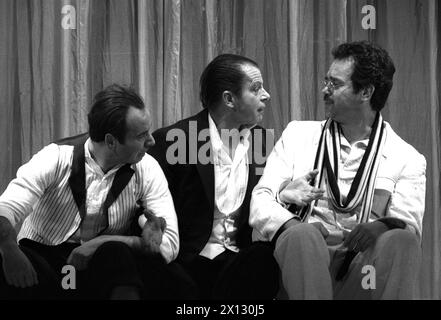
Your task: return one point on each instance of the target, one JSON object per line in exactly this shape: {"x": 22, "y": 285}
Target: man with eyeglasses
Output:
{"x": 361, "y": 238}
{"x": 78, "y": 198}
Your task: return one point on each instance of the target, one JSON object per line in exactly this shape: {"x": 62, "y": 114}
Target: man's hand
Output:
{"x": 152, "y": 232}
{"x": 80, "y": 256}
{"x": 300, "y": 192}
{"x": 364, "y": 235}
{"x": 17, "y": 268}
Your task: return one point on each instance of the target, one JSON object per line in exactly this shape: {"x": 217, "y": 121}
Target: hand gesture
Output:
{"x": 152, "y": 232}
{"x": 364, "y": 235}
{"x": 300, "y": 192}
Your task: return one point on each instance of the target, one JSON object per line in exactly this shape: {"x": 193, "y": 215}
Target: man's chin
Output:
{"x": 328, "y": 110}
{"x": 138, "y": 158}
{"x": 259, "y": 118}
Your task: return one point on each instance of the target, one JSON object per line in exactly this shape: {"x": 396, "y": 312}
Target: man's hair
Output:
{"x": 372, "y": 66}
{"x": 109, "y": 111}
{"x": 223, "y": 73}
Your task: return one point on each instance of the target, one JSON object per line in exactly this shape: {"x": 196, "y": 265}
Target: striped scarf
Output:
{"x": 327, "y": 162}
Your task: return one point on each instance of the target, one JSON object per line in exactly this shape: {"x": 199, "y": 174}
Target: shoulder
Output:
{"x": 54, "y": 152}
{"x": 147, "y": 163}
{"x": 50, "y": 162}
{"x": 395, "y": 145}
{"x": 307, "y": 126}
{"x": 303, "y": 131}
{"x": 148, "y": 168}
{"x": 197, "y": 121}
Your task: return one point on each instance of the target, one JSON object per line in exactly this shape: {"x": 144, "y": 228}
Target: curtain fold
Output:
{"x": 48, "y": 74}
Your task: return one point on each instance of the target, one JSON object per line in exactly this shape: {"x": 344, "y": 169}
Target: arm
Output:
{"x": 408, "y": 199}
{"x": 157, "y": 200}
{"x": 299, "y": 191}
{"x": 80, "y": 256}
{"x": 15, "y": 204}
{"x": 268, "y": 215}
{"x": 17, "y": 268}
{"x": 405, "y": 211}
{"x": 149, "y": 242}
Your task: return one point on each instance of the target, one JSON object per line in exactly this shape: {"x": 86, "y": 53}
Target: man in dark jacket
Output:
{"x": 212, "y": 162}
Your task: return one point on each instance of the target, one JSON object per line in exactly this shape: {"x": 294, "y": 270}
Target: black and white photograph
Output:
{"x": 219, "y": 158}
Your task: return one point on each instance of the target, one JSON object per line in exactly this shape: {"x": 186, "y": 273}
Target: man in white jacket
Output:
{"x": 343, "y": 199}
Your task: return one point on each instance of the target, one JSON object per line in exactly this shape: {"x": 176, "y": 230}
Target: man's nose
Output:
{"x": 326, "y": 89}
{"x": 265, "y": 95}
{"x": 150, "y": 141}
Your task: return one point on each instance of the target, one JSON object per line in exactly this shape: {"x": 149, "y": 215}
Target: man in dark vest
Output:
{"x": 78, "y": 198}
{"x": 212, "y": 161}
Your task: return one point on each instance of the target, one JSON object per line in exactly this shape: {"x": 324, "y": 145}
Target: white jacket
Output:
{"x": 401, "y": 172}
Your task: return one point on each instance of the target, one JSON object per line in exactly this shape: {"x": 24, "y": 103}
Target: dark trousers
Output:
{"x": 113, "y": 264}
{"x": 251, "y": 274}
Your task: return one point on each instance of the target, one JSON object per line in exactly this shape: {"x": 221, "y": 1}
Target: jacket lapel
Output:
{"x": 206, "y": 171}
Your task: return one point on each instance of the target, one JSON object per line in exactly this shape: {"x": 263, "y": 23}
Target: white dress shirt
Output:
{"x": 338, "y": 222}
{"x": 230, "y": 184}
{"x": 41, "y": 196}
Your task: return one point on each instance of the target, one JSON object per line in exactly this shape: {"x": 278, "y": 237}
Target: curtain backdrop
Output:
{"x": 48, "y": 74}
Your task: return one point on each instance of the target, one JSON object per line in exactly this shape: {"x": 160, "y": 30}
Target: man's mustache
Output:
{"x": 326, "y": 98}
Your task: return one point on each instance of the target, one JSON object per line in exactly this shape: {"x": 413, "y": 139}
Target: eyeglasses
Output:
{"x": 331, "y": 85}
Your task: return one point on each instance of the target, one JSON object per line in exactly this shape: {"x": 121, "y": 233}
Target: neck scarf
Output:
{"x": 362, "y": 187}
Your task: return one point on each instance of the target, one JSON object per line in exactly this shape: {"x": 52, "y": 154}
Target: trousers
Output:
{"x": 113, "y": 264}
{"x": 387, "y": 270}
{"x": 250, "y": 274}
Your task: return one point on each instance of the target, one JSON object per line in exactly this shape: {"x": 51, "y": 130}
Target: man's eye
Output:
{"x": 256, "y": 88}
{"x": 143, "y": 136}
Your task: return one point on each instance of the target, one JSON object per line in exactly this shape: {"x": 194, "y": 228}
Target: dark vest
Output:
{"x": 77, "y": 178}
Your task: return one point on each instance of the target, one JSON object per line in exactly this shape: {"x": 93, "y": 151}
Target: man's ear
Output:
{"x": 110, "y": 141}
{"x": 367, "y": 92}
{"x": 228, "y": 99}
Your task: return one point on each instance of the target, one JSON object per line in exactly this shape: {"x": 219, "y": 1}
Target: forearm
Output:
{"x": 8, "y": 235}
{"x": 266, "y": 215}
{"x": 133, "y": 242}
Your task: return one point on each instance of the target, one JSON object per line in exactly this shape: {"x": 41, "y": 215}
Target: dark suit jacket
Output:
{"x": 192, "y": 184}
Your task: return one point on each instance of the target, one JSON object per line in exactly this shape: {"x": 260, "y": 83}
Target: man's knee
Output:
{"x": 112, "y": 255}
{"x": 113, "y": 249}
{"x": 299, "y": 233}
{"x": 398, "y": 240}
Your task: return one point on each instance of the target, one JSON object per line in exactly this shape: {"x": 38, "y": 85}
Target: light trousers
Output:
{"x": 387, "y": 270}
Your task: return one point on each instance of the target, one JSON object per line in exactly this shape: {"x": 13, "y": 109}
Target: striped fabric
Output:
{"x": 41, "y": 195}
{"x": 327, "y": 162}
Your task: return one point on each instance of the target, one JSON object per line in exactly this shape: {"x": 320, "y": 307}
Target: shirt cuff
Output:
{"x": 279, "y": 201}
{"x": 8, "y": 215}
